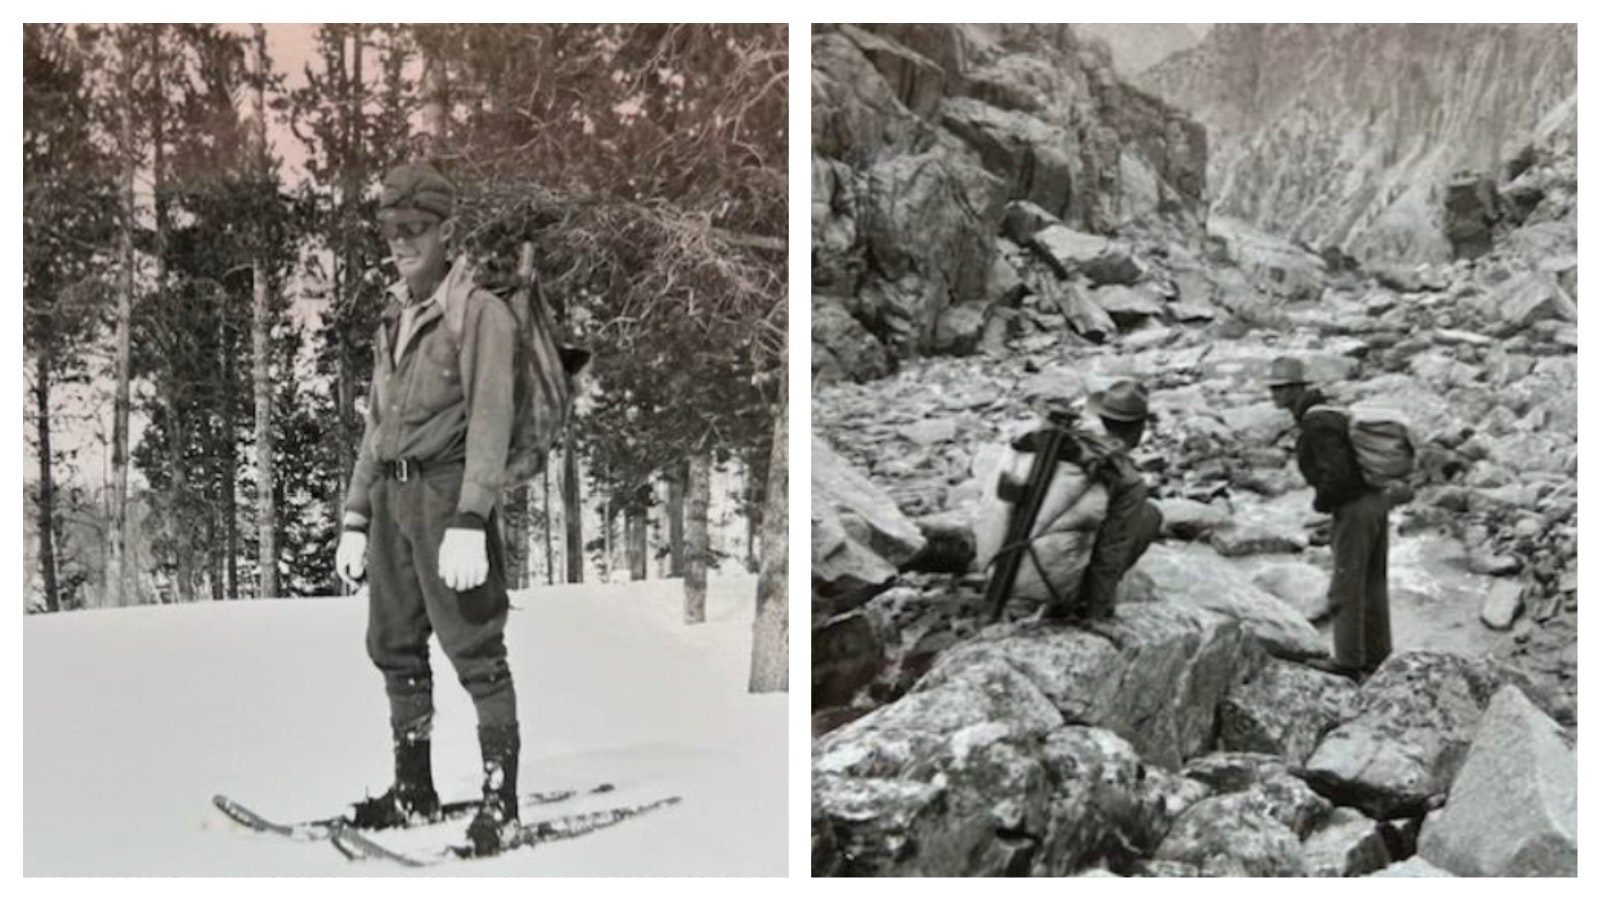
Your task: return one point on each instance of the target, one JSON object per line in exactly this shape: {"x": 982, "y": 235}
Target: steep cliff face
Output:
{"x": 1348, "y": 135}
{"x": 921, "y": 137}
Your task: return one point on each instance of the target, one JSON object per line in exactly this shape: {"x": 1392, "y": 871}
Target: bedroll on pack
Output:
{"x": 1383, "y": 445}
{"x": 1050, "y": 559}
{"x": 543, "y": 368}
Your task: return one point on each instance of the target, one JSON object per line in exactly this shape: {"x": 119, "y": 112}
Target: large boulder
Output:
{"x": 1301, "y": 585}
{"x": 1231, "y": 836}
{"x": 1195, "y": 576}
{"x": 1413, "y": 723}
{"x": 916, "y": 81}
{"x": 1101, "y": 260}
{"x": 935, "y": 216}
{"x": 1284, "y": 709}
{"x": 1535, "y": 297}
{"x": 960, "y": 328}
{"x": 1154, "y": 674}
{"x": 836, "y": 263}
{"x": 841, "y": 347}
{"x": 1502, "y": 603}
{"x": 1190, "y": 519}
{"x": 1513, "y": 809}
{"x": 978, "y": 775}
{"x": 1128, "y": 305}
{"x": 1028, "y": 155}
{"x": 845, "y": 655}
{"x": 1469, "y": 215}
{"x": 855, "y": 115}
{"x": 844, "y": 572}
{"x": 859, "y": 537}
{"x": 1079, "y": 308}
{"x": 1274, "y": 266}
{"x": 1265, "y": 782}
{"x": 866, "y": 511}
{"x": 1348, "y": 845}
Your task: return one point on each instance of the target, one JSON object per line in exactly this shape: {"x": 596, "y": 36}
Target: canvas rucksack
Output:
{"x": 544, "y": 369}
{"x": 1384, "y": 448}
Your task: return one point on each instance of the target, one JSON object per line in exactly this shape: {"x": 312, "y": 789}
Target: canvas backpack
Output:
{"x": 544, "y": 369}
{"x": 1384, "y": 447}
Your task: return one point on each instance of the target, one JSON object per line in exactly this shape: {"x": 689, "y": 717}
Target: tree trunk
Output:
{"x": 697, "y": 538}
{"x": 605, "y": 534}
{"x": 230, "y": 464}
{"x": 436, "y": 108}
{"x": 549, "y": 525}
{"x": 518, "y": 513}
{"x": 177, "y": 444}
{"x": 752, "y": 523}
{"x": 347, "y": 280}
{"x": 266, "y": 511}
{"x": 571, "y": 511}
{"x": 638, "y": 524}
{"x": 769, "y": 653}
{"x": 117, "y": 543}
{"x": 46, "y": 511}
{"x": 675, "y": 478}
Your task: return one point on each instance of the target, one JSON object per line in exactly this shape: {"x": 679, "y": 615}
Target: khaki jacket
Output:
{"x": 446, "y": 398}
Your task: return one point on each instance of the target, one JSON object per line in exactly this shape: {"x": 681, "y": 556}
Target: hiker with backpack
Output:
{"x": 1082, "y": 516}
{"x": 1359, "y": 498}
{"x": 420, "y": 519}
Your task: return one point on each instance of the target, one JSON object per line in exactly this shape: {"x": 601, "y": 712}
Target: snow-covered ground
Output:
{"x": 135, "y": 718}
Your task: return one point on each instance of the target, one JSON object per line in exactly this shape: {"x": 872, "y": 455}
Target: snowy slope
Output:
{"x": 135, "y": 717}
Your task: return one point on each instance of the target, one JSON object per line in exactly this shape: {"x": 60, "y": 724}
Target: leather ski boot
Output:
{"x": 498, "y": 817}
{"x": 412, "y": 799}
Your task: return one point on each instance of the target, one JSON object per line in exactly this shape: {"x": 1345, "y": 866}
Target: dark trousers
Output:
{"x": 408, "y": 601}
{"x": 1145, "y": 528}
{"x": 1131, "y": 536}
{"x": 1359, "y": 591}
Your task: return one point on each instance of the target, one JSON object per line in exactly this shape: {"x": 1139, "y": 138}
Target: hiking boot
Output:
{"x": 498, "y": 817}
{"x": 398, "y": 807}
{"x": 412, "y": 799}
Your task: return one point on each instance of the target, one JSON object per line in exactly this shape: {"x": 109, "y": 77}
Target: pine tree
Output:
{"x": 68, "y": 229}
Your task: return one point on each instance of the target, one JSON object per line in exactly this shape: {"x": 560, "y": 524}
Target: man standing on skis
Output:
{"x": 420, "y": 515}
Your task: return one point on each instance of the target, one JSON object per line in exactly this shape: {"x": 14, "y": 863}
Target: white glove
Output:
{"x": 351, "y": 559}
{"x": 463, "y": 558}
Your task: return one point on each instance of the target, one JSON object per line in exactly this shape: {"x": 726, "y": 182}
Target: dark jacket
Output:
{"x": 447, "y": 399}
{"x": 1126, "y": 493}
{"x": 1326, "y": 457}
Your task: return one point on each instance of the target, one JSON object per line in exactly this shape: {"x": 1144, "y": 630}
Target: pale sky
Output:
{"x": 291, "y": 48}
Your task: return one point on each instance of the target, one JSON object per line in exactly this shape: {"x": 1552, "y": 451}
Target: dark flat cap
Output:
{"x": 417, "y": 186}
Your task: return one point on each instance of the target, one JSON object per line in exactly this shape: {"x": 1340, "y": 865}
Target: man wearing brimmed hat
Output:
{"x": 1132, "y": 521}
{"x": 1359, "y": 590}
{"x": 420, "y": 515}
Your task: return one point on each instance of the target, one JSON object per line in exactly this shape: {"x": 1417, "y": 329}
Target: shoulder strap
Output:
{"x": 459, "y": 285}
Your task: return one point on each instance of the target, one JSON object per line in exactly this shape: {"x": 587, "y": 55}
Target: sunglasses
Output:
{"x": 411, "y": 230}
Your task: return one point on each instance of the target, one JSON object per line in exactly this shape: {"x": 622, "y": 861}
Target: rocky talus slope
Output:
{"x": 1345, "y": 135}
{"x": 1190, "y": 736}
{"x": 922, "y": 135}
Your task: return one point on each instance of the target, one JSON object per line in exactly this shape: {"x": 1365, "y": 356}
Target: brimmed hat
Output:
{"x": 1124, "y": 401}
{"x": 416, "y": 186}
{"x": 1286, "y": 370}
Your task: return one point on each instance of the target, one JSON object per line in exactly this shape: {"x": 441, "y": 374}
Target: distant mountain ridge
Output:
{"x": 1138, "y": 46}
{"x": 1346, "y": 135}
